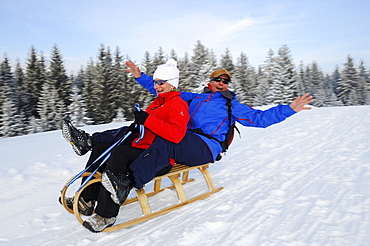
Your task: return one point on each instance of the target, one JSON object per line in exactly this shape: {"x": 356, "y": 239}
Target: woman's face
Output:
{"x": 163, "y": 88}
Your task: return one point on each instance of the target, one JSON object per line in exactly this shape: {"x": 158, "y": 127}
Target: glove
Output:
{"x": 140, "y": 117}
{"x": 133, "y": 129}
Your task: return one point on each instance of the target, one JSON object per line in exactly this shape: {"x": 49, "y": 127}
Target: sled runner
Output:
{"x": 177, "y": 172}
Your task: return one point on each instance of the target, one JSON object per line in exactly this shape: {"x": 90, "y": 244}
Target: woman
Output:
{"x": 167, "y": 117}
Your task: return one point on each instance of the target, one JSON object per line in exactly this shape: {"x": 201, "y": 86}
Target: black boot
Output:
{"x": 80, "y": 140}
{"x": 117, "y": 184}
{"x": 84, "y": 208}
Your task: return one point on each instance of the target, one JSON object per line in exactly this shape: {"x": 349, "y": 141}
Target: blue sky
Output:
{"x": 325, "y": 31}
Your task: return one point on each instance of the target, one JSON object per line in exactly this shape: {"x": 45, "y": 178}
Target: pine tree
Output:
{"x": 262, "y": 91}
{"x": 33, "y": 84}
{"x": 87, "y": 90}
{"x": 301, "y": 87}
{"x": 330, "y": 99}
{"x": 348, "y": 86}
{"x": 9, "y": 118}
{"x": 159, "y": 59}
{"x": 209, "y": 65}
{"x": 118, "y": 82}
{"x": 173, "y": 55}
{"x": 50, "y": 108}
{"x": 246, "y": 78}
{"x": 58, "y": 77}
{"x": 266, "y": 76}
{"x": 364, "y": 85}
{"x": 284, "y": 84}
{"x": 77, "y": 109}
{"x": 102, "y": 87}
{"x": 199, "y": 70}
{"x": 185, "y": 66}
{"x": 147, "y": 64}
{"x": 120, "y": 116}
{"x": 20, "y": 78}
{"x": 227, "y": 61}
{"x": 317, "y": 85}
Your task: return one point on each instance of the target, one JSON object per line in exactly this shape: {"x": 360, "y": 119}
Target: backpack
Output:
{"x": 229, "y": 135}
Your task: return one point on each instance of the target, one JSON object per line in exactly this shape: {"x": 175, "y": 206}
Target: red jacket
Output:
{"x": 168, "y": 118}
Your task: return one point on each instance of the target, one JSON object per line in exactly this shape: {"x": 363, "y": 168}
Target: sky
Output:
{"x": 325, "y": 31}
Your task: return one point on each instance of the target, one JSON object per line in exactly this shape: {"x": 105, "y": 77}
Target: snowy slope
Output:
{"x": 304, "y": 181}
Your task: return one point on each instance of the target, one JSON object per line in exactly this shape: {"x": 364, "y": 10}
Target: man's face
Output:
{"x": 219, "y": 86}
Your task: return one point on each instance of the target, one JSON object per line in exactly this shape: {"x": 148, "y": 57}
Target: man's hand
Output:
{"x": 299, "y": 103}
{"x": 133, "y": 69}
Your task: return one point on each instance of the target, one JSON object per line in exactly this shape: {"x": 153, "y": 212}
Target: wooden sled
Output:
{"x": 142, "y": 196}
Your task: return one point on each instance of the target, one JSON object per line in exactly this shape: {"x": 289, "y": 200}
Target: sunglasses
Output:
{"x": 159, "y": 82}
{"x": 162, "y": 81}
{"x": 219, "y": 79}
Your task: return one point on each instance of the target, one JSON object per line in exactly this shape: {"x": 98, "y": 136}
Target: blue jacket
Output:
{"x": 208, "y": 111}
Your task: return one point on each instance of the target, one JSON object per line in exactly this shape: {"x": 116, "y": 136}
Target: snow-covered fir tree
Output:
{"x": 262, "y": 92}
{"x": 245, "y": 80}
{"x": 120, "y": 117}
{"x": 300, "y": 83}
{"x": 58, "y": 77}
{"x": 317, "y": 85}
{"x": 209, "y": 65}
{"x": 330, "y": 98}
{"x": 185, "y": 67}
{"x": 267, "y": 75}
{"x": 200, "y": 68}
{"x": 10, "y": 122}
{"x": 87, "y": 89}
{"x": 364, "y": 85}
{"x": 102, "y": 87}
{"x": 50, "y": 108}
{"x": 348, "y": 90}
{"x": 284, "y": 84}
{"x": 77, "y": 109}
{"x": 33, "y": 83}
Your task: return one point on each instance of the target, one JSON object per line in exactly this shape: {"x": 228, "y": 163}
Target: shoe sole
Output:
{"x": 67, "y": 136}
{"x": 109, "y": 187}
{"x": 88, "y": 226}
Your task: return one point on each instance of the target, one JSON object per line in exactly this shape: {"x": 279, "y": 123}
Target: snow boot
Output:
{"x": 117, "y": 184}
{"x": 80, "y": 140}
{"x": 84, "y": 208}
{"x": 96, "y": 223}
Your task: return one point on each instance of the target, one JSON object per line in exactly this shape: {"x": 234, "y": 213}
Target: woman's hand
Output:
{"x": 299, "y": 103}
{"x": 133, "y": 69}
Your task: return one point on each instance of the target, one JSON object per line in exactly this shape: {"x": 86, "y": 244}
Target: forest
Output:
{"x": 37, "y": 96}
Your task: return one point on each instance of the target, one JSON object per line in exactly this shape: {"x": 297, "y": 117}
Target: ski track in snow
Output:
{"x": 304, "y": 181}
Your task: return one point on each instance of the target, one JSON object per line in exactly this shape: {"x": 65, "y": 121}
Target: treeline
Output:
{"x": 35, "y": 98}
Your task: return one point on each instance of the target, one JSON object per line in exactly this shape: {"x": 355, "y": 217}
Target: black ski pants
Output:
{"x": 119, "y": 162}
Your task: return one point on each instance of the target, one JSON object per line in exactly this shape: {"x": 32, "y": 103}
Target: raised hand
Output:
{"x": 299, "y": 103}
{"x": 135, "y": 70}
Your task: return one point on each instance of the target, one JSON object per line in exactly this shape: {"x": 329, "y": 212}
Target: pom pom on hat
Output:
{"x": 168, "y": 71}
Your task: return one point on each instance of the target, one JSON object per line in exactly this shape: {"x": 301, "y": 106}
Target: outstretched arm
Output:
{"x": 299, "y": 103}
{"x": 135, "y": 70}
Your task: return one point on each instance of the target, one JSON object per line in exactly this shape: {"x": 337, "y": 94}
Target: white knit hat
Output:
{"x": 168, "y": 71}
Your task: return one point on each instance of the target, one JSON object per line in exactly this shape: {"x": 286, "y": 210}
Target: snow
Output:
{"x": 304, "y": 181}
